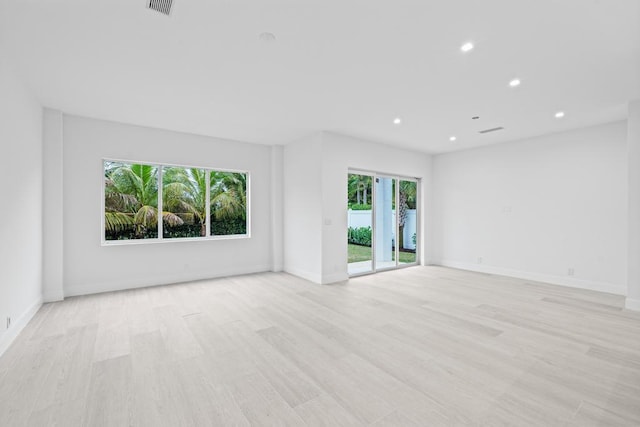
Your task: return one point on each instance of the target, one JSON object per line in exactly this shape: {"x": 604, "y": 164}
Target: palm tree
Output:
{"x": 359, "y": 185}
{"x": 131, "y": 198}
{"x": 354, "y": 188}
{"x": 228, "y": 196}
{"x": 184, "y": 193}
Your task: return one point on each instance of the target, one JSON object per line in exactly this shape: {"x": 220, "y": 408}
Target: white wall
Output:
{"x": 315, "y": 205}
{"x": 90, "y": 267}
{"x": 341, "y": 153}
{"x": 21, "y": 213}
{"x": 633, "y": 167}
{"x": 537, "y": 208}
{"x": 303, "y": 208}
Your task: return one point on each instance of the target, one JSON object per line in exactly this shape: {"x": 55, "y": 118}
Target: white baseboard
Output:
{"x": 632, "y": 304}
{"x": 333, "y": 278}
{"x": 8, "y": 336}
{"x": 312, "y": 277}
{"x": 120, "y": 285}
{"x": 571, "y": 282}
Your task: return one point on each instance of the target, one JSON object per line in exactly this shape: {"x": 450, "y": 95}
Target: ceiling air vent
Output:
{"x": 491, "y": 130}
{"x": 162, "y": 6}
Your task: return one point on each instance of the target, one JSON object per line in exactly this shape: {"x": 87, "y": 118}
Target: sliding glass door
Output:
{"x": 360, "y": 234}
{"x": 407, "y": 221}
{"x": 383, "y": 222}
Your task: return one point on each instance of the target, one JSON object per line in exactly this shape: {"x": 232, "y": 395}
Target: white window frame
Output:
{"x": 161, "y": 238}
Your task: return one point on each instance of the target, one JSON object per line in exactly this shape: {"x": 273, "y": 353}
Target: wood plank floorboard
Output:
{"x": 421, "y": 346}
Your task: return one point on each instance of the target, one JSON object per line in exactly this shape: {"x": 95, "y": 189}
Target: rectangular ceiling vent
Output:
{"x": 162, "y": 6}
{"x": 491, "y": 130}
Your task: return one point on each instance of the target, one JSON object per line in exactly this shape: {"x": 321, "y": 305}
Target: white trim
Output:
{"x": 247, "y": 193}
{"x": 160, "y": 238}
{"x": 311, "y": 277}
{"x": 334, "y": 278}
{"x": 374, "y": 183}
{"x": 174, "y": 240}
{"x": 172, "y": 165}
{"x": 120, "y": 285}
{"x": 207, "y": 203}
{"x": 18, "y": 325}
{"x": 632, "y": 304}
{"x": 538, "y": 277}
{"x": 160, "y": 205}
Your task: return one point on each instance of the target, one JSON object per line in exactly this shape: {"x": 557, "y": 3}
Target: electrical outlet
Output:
{"x": 479, "y": 260}
{"x": 8, "y": 322}
{"x": 570, "y": 272}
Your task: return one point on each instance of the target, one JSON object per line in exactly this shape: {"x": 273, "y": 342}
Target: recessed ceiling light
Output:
{"x": 466, "y": 47}
{"x": 397, "y": 121}
{"x": 514, "y": 82}
{"x": 559, "y": 114}
{"x": 267, "y": 37}
{"x": 452, "y": 138}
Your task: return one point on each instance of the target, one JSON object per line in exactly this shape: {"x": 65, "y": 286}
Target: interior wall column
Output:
{"x": 633, "y": 156}
{"x": 277, "y": 207}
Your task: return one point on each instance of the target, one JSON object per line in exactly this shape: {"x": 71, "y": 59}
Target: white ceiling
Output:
{"x": 337, "y": 65}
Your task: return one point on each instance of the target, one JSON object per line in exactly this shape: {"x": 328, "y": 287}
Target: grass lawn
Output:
{"x": 363, "y": 253}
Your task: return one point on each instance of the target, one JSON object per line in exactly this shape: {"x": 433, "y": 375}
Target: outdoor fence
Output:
{"x": 359, "y": 219}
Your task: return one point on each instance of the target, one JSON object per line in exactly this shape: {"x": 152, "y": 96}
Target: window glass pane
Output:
{"x": 130, "y": 201}
{"x": 407, "y": 221}
{"x": 228, "y": 203}
{"x": 183, "y": 202}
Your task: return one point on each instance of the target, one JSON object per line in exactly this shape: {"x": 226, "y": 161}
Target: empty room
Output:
{"x": 320, "y": 213}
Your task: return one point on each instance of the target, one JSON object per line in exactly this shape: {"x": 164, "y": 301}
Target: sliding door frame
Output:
{"x": 397, "y": 178}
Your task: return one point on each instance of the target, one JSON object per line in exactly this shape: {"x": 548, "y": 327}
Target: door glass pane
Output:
{"x": 359, "y": 200}
{"x": 385, "y": 225}
{"x": 407, "y": 222}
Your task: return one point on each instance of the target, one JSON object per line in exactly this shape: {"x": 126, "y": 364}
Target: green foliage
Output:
{"x": 184, "y": 230}
{"x": 357, "y": 253}
{"x": 359, "y": 189}
{"x": 359, "y": 236}
{"x": 118, "y": 221}
{"x": 359, "y": 207}
{"x": 409, "y": 193}
{"x": 228, "y": 227}
{"x": 184, "y": 191}
{"x": 228, "y": 195}
{"x": 413, "y": 239}
{"x": 131, "y": 201}
{"x": 131, "y": 234}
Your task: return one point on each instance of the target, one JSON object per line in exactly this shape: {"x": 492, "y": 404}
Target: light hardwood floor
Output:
{"x": 422, "y": 346}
